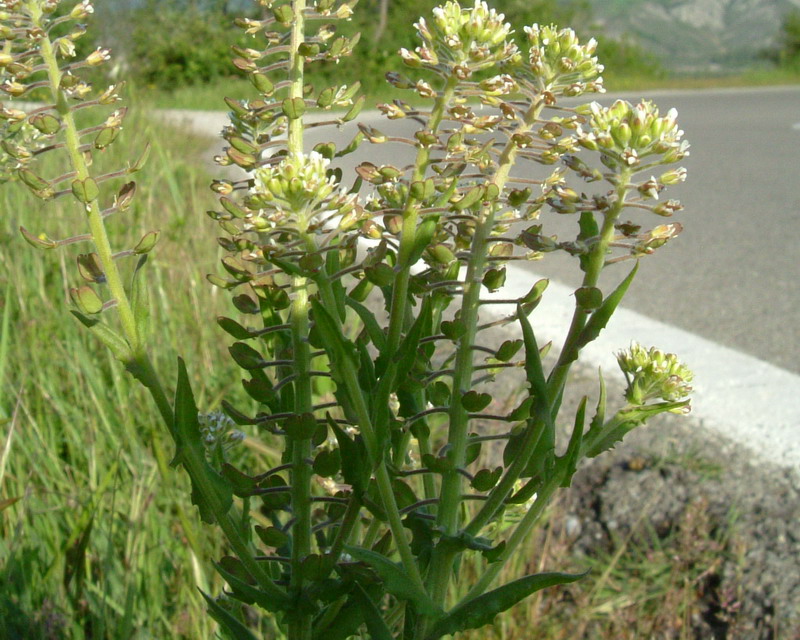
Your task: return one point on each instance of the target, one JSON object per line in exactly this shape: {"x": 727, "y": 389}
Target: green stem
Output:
{"x": 296, "y": 75}
{"x": 596, "y": 262}
{"x": 382, "y": 478}
{"x": 408, "y": 237}
{"x": 451, "y": 490}
{"x": 140, "y": 365}
{"x": 300, "y": 624}
{"x": 95, "y": 218}
{"x": 517, "y": 537}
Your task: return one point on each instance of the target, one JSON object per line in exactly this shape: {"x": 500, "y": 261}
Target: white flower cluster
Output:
{"x": 465, "y": 40}
{"x": 653, "y": 374}
{"x": 559, "y": 63}
{"x": 630, "y": 133}
{"x": 296, "y": 190}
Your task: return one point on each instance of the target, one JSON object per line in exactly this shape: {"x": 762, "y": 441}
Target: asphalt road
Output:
{"x": 733, "y": 275}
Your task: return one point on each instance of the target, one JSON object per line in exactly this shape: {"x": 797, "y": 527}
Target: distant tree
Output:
{"x": 790, "y": 38}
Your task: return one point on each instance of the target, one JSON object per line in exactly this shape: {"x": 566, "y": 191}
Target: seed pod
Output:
{"x": 147, "y": 243}
{"x": 85, "y": 191}
{"x": 90, "y": 268}
{"x": 293, "y": 108}
{"x": 87, "y": 301}
{"x": 46, "y": 123}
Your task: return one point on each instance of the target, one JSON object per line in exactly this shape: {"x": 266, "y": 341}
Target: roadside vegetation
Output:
{"x": 156, "y": 42}
{"x": 93, "y": 542}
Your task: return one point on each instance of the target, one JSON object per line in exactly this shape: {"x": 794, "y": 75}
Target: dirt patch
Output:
{"x": 659, "y": 483}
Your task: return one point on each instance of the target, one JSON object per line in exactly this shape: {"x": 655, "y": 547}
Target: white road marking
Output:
{"x": 796, "y": 126}
{"x": 743, "y": 398}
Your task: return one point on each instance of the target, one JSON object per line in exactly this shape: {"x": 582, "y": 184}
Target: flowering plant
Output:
{"x": 370, "y": 367}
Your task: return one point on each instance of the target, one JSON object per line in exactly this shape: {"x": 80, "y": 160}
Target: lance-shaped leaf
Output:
{"x": 569, "y": 461}
{"x": 599, "y": 319}
{"x": 395, "y": 580}
{"x": 248, "y": 593}
{"x": 116, "y": 344}
{"x": 210, "y": 492}
{"x": 374, "y": 331}
{"x": 481, "y": 611}
{"x": 540, "y": 410}
{"x": 614, "y": 430}
{"x": 376, "y": 625}
{"x": 230, "y": 626}
{"x": 356, "y": 470}
{"x": 342, "y": 352}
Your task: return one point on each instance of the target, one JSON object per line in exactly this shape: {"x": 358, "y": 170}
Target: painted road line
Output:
{"x": 743, "y": 398}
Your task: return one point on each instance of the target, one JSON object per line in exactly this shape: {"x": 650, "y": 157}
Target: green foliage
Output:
{"x": 623, "y": 57}
{"x": 789, "y": 54}
{"x": 326, "y": 371}
{"x": 173, "y": 46}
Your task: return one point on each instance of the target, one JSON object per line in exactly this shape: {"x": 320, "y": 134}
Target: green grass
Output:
{"x": 102, "y": 541}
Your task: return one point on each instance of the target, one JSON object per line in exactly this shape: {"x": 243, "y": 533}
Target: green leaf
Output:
{"x": 376, "y": 625}
{"x": 115, "y": 343}
{"x": 376, "y": 334}
{"x": 140, "y": 301}
{"x": 395, "y": 580}
{"x": 481, "y": 611}
{"x": 341, "y": 351}
{"x": 210, "y": 492}
{"x": 356, "y": 470}
{"x": 605, "y": 437}
{"x": 599, "y": 319}
{"x": 569, "y": 461}
{"x": 241, "y": 484}
{"x": 272, "y": 536}
{"x": 247, "y": 593}
{"x": 230, "y": 626}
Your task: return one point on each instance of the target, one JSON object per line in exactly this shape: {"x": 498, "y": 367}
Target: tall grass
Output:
{"x": 102, "y": 542}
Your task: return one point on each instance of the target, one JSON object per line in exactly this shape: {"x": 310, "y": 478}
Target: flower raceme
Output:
{"x": 627, "y": 134}
{"x": 652, "y": 374}
{"x": 465, "y": 40}
{"x": 556, "y": 59}
{"x": 298, "y": 189}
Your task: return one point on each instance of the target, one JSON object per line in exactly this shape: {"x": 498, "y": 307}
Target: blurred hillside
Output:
{"x": 698, "y": 35}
